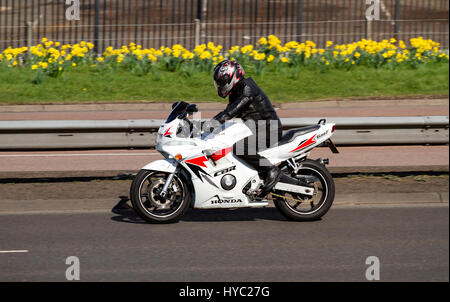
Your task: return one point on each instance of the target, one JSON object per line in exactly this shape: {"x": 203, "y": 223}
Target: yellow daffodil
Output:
{"x": 247, "y": 48}
{"x": 262, "y": 41}
{"x": 259, "y": 56}
{"x": 205, "y": 55}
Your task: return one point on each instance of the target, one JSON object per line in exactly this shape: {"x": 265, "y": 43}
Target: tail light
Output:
{"x": 332, "y": 128}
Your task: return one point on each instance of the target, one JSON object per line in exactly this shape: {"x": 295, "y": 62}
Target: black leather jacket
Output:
{"x": 248, "y": 101}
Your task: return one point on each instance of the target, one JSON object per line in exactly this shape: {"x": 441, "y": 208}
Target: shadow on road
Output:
{"x": 125, "y": 213}
{"x": 245, "y": 214}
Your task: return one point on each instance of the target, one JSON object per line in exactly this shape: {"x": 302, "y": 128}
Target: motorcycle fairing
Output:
{"x": 206, "y": 174}
{"x": 163, "y": 165}
{"x": 298, "y": 146}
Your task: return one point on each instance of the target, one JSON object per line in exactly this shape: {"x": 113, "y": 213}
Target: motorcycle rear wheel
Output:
{"x": 149, "y": 205}
{"x": 313, "y": 208}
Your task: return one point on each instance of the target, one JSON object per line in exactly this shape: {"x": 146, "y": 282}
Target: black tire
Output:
{"x": 141, "y": 206}
{"x": 319, "y": 171}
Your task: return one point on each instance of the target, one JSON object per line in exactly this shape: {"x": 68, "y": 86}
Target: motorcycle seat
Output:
{"x": 290, "y": 135}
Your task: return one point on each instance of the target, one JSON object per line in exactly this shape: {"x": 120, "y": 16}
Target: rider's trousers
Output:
{"x": 265, "y": 134}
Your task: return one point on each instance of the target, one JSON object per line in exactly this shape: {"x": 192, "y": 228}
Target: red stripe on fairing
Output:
{"x": 221, "y": 153}
{"x": 310, "y": 141}
{"x": 198, "y": 161}
{"x": 167, "y": 132}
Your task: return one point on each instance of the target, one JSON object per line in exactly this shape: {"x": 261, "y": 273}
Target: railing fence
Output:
{"x": 153, "y": 23}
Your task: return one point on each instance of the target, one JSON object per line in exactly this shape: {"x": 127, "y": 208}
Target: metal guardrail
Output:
{"x": 79, "y": 134}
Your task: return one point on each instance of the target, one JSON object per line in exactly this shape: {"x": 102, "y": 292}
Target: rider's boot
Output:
{"x": 272, "y": 176}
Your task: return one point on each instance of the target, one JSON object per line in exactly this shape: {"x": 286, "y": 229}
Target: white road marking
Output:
{"x": 14, "y": 251}
{"x": 78, "y": 154}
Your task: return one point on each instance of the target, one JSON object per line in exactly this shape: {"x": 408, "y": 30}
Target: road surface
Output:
{"x": 350, "y": 159}
{"x": 411, "y": 243}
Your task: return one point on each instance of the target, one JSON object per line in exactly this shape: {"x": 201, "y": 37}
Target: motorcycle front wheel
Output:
{"x": 300, "y": 207}
{"x": 150, "y": 205}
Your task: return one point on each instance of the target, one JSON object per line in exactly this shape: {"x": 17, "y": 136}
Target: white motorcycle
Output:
{"x": 202, "y": 172}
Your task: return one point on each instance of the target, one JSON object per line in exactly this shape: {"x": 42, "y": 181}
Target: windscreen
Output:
{"x": 178, "y": 108}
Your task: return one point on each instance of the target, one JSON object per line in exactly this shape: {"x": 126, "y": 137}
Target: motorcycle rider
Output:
{"x": 248, "y": 102}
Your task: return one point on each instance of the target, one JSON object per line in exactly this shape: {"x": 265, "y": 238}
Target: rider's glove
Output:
{"x": 222, "y": 117}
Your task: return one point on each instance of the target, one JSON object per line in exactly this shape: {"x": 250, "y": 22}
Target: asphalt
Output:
{"x": 411, "y": 244}
{"x": 103, "y": 204}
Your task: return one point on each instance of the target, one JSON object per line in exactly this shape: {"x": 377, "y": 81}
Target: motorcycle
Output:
{"x": 202, "y": 172}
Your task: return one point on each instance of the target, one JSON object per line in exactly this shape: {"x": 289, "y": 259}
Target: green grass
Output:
{"x": 83, "y": 86}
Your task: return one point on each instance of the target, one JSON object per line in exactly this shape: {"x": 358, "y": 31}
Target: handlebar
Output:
{"x": 190, "y": 109}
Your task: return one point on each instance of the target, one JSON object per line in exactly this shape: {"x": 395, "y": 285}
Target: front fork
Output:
{"x": 169, "y": 179}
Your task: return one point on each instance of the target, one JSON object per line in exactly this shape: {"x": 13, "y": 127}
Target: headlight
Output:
{"x": 158, "y": 139}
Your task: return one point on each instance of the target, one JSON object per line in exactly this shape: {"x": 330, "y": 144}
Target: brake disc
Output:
{"x": 158, "y": 201}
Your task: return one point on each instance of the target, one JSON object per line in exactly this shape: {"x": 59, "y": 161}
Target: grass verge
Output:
{"x": 85, "y": 86}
